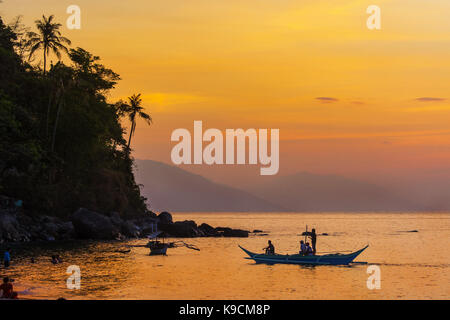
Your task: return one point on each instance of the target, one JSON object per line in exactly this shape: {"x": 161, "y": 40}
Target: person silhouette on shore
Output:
{"x": 7, "y": 289}
{"x": 54, "y": 259}
{"x": 7, "y": 258}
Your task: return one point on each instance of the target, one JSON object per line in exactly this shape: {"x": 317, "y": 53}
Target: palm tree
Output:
{"x": 134, "y": 109}
{"x": 48, "y": 39}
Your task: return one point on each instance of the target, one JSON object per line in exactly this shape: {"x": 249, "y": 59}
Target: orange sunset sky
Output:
{"x": 265, "y": 63}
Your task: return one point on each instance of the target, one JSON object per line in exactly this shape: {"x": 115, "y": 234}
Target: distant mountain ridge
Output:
{"x": 171, "y": 188}
{"x": 306, "y": 192}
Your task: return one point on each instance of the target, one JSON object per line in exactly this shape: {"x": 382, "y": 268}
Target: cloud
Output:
{"x": 327, "y": 99}
{"x": 429, "y": 99}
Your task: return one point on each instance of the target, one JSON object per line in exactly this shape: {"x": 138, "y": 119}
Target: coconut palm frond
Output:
{"x": 48, "y": 38}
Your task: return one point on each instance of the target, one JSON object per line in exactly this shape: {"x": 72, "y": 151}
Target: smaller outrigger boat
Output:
{"x": 326, "y": 259}
{"x": 157, "y": 247}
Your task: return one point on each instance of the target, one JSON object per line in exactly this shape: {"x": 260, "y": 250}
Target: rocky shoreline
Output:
{"x": 16, "y": 226}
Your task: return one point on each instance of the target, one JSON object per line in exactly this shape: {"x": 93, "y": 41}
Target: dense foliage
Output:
{"x": 62, "y": 145}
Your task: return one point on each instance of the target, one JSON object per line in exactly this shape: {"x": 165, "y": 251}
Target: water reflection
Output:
{"x": 219, "y": 270}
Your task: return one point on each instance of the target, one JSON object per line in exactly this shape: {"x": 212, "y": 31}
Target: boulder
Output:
{"x": 115, "y": 219}
{"x": 151, "y": 214}
{"x": 9, "y": 227}
{"x": 66, "y": 230}
{"x": 92, "y": 225}
{"x": 147, "y": 229}
{"x": 182, "y": 229}
{"x": 228, "y": 232}
{"x": 146, "y": 224}
{"x": 49, "y": 219}
{"x": 165, "y": 218}
{"x": 208, "y": 231}
{"x": 129, "y": 229}
{"x": 236, "y": 233}
{"x": 51, "y": 228}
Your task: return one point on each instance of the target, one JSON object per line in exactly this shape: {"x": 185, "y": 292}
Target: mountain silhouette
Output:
{"x": 306, "y": 192}
{"x": 171, "y": 188}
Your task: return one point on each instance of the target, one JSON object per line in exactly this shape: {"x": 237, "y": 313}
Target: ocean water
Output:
{"x": 413, "y": 265}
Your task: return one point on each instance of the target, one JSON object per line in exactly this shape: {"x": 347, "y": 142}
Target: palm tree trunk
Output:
{"x": 50, "y": 101}
{"x": 45, "y": 60}
{"x": 56, "y": 124}
{"x": 133, "y": 124}
{"x": 57, "y": 117}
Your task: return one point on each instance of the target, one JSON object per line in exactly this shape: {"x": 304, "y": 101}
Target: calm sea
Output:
{"x": 413, "y": 265}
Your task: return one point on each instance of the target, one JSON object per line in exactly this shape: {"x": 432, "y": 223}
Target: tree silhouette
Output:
{"x": 48, "y": 39}
{"x": 134, "y": 110}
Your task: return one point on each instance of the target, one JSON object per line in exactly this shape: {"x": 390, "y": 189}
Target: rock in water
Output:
{"x": 228, "y": 232}
{"x": 165, "y": 218}
{"x": 115, "y": 219}
{"x": 182, "y": 229}
{"x": 129, "y": 229}
{"x": 92, "y": 225}
{"x": 9, "y": 227}
{"x": 208, "y": 231}
{"x": 66, "y": 230}
{"x": 236, "y": 233}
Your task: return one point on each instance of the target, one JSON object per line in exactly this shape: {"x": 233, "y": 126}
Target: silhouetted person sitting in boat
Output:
{"x": 302, "y": 248}
{"x": 7, "y": 289}
{"x": 270, "y": 249}
{"x": 309, "y": 250}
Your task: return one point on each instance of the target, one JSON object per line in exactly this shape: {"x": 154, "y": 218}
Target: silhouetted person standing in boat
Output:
{"x": 313, "y": 237}
{"x": 270, "y": 249}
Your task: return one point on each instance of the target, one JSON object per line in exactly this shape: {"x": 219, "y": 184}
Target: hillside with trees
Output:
{"x": 62, "y": 143}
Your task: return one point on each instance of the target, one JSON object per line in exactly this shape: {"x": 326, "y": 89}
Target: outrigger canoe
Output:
{"x": 327, "y": 259}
